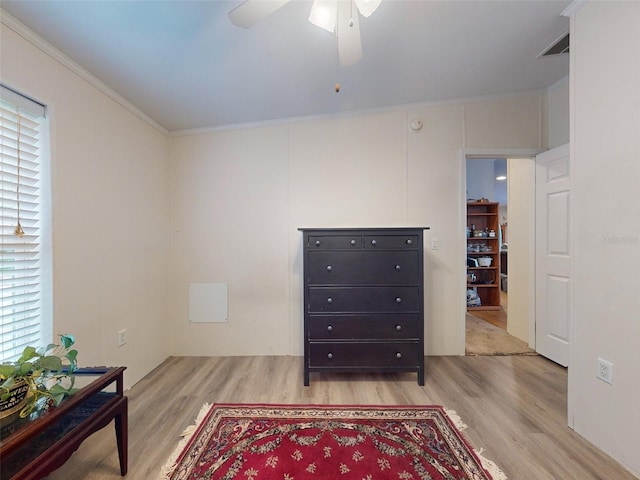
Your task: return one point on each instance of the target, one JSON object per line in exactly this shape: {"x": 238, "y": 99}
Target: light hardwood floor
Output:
{"x": 515, "y": 408}
{"x": 497, "y": 318}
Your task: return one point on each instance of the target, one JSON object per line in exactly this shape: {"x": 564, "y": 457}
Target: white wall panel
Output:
{"x": 229, "y": 214}
{"x": 110, "y": 206}
{"x": 367, "y": 170}
{"x": 606, "y": 159}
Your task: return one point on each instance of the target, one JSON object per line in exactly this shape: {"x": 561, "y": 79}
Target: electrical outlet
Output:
{"x": 122, "y": 337}
{"x": 605, "y": 371}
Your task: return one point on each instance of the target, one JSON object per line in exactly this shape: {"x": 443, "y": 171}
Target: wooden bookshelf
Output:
{"x": 483, "y": 242}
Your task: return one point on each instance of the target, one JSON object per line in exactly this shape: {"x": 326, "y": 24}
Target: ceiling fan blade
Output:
{"x": 248, "y": 13}
{"x": 349, "y": 45}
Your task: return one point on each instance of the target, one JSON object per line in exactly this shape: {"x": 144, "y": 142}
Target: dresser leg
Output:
{"x": 306, "y": 377}
{"x": 421, "y": 377}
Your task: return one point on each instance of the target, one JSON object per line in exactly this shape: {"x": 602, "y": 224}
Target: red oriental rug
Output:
{"x": 306, "y": 442}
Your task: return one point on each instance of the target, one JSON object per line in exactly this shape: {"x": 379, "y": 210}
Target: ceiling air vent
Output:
{"x": 558, "y": 47}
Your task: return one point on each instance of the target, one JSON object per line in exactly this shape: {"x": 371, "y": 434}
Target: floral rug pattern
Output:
{"x": 270, "y": 442}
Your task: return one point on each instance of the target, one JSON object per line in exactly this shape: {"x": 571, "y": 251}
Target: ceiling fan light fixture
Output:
{"x": 324, "y": 14}
{"x": 367, "y": 7}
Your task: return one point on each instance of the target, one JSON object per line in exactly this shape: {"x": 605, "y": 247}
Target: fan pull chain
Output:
{"x": 18, "y": 230}
{"x": 337, "y": 59}
{"x": 337, "y": 68}
{"x": 351, "y": 14}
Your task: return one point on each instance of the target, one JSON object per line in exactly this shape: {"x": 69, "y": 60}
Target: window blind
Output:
{"x": 20, "y": 204}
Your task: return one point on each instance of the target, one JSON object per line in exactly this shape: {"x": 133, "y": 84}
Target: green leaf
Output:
{"x": 27, "y": 354}
{"x": 58, "y": 392}
{"x": 58, "y": 389}
{"x": 51, "y": 362}
{"x": 71, "y": 356}
{"x": 67, "y": 340}
{"x": 43, "y": 351}
{"x": 25, "y": 368}
{"x": 7, "y": 370}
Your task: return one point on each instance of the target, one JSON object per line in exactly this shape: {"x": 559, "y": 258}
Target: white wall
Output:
{"x": 521, "y": 233}
{"x": 557, "y": 114}
{"x": 239, "y": 196}
{"x": 605, "y": 109}
{"x": 230, "y": 213}
{"x": 110, "y": 182}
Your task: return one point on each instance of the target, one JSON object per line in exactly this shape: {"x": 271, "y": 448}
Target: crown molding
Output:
{"x": 559, "y": 83}
{"x": 407, "y": 107}
{"x": 573, "y": 7}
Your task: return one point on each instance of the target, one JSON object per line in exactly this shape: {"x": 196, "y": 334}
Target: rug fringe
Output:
{"x": 490, "y": 466}
{"x": 455, "y": 418}
{"x": 186, "y": 435}
{"x": 487, "y": 464}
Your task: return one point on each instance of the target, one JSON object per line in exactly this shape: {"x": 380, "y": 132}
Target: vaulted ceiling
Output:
{"x": 186, "y": 66}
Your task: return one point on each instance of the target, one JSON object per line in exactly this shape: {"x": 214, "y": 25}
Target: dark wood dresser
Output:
{"x": 363, "y": 300}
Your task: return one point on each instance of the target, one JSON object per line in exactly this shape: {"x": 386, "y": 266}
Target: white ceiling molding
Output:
{"x": 573, "y": 8}
{"x": 392, "y": 108}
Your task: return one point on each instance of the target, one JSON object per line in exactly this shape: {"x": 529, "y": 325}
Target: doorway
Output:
{"x": 487, "y": 239}
{"x": 500, "y": 187}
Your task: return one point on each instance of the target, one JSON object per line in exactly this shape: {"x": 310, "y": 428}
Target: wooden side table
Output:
{"x": 31, "y": 448}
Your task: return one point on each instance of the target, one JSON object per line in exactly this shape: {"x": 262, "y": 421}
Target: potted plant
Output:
{"x": 38, "y": 379}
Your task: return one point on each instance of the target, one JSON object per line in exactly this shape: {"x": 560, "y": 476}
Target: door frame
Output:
{"x": 465, "y": 154}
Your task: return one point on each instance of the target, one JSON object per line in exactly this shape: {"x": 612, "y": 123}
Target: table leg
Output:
{"x": 122, "y": 436}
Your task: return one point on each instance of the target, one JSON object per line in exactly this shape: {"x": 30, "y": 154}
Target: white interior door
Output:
{"x": 554, "y": 241}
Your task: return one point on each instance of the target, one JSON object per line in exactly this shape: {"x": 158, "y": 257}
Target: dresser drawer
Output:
{"x": 363, "y": 267}
{"x": 335, "y": 242}
{"x": 373, "y": 354}
{"x": 348, "y": 327}
{"x": 364, "y": 299}
{"x": 392, "y": 241}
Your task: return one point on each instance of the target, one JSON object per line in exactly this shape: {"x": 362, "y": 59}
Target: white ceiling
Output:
{"x": 186, "y": 66}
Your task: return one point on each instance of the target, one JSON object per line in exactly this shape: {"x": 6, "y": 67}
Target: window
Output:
{"x": 25, "y": 259}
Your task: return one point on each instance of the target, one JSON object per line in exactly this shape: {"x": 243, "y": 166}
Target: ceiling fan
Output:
{"x": 335, "y": 16}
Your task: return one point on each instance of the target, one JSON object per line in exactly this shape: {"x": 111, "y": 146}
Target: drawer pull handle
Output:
{"x": 329, "y": 328}
{"x": 329, "y": 300}
{"x": 398, "y": 267}
{"x": 317, "y": 243}
{"x": 329, "y": 268}
{"x": 353, "y": 242}
{"x": 398, "y": 300}
{"x": 398, "y": 355}
{"x": 409, "y": 241}
{"x": 374, "y": 243}
{"x": 330, "y": 355}
{"x": 398, "y": 328}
